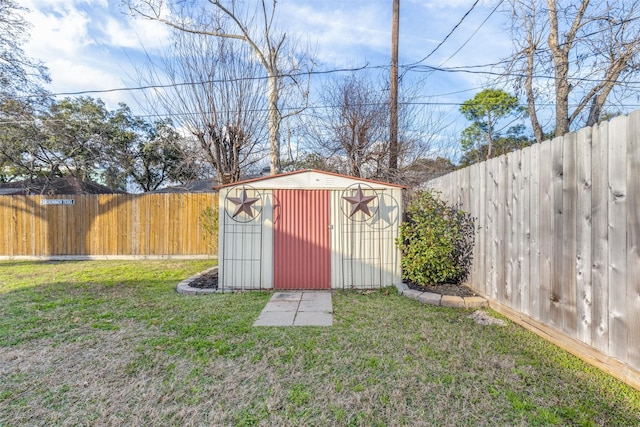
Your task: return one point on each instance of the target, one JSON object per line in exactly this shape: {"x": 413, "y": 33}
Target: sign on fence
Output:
{"x": 57, "y": 202}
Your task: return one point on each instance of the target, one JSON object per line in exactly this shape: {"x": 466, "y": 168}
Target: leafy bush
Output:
{"x": 209, "y": 221}
{"x": 436, "y": 242}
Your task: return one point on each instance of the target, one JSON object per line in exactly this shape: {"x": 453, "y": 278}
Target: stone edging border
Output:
{"x": 430, "y": 298}
{"x": 185, "y": 287}
{"x": 441, "y": 300}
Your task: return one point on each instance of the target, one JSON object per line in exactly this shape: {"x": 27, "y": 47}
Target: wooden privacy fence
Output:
{"x": 137, "y": 225}
{"x": 558, "y": 245}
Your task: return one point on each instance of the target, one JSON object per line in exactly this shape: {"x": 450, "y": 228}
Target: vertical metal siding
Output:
{"x": 242, "y": 247}
{"x": 364, "y": 254}
{"x": 301, "y": 239}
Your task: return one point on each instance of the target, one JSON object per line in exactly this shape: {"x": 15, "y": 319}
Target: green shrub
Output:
{"x": 209, "y": 221}
{"x": 436, "y": 242}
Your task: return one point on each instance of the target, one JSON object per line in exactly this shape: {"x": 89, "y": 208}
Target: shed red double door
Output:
{"x": 301, "y": 239}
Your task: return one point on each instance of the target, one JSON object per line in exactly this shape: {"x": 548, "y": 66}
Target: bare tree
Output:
{"x": 353, "y": 127}
{"x": 255, "y": 28}
{"x": 222, "y": 104}
{"x": 425, "y": 135}
{"x": 586, "y": 50}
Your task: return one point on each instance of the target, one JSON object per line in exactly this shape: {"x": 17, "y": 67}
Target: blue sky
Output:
{"x": 93, "y": 45}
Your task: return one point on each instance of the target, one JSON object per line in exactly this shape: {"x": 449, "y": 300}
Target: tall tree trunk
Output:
{"x": 393, "y": 101}
{"x": 274, "y": 123}
{"x": 560, "y": 69}
{"x": 560, "y": 55}
{"x": 531, "y": 98}
{"x": 489, "y": 136}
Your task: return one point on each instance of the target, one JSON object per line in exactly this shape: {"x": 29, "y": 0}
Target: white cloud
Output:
{"x": 87, "y": 43}
{"x": 75, "y": 76}
{"x": 343, "y": 35}
{"x": 135, "y": 33}
{"x": 60, "y": 33}
{"x": 40, "y": 4}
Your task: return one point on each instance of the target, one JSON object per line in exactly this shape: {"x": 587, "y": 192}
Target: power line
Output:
{"x": 448, "y": 35}
{"x": 468, "y": 69}
{"x": 264, "y": 110}
{"x": 212, "y": 81}
{"x": 473, "y": 34}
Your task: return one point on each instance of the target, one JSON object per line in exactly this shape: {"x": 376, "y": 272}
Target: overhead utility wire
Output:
{"x": 473, "y": 34}
{"x": 264, "y": 110}
{"x": 169, "y": 85}
{"x": 429, "y": 68}
{"x": 447, "y": 36}
{"x": 469, "y": 69}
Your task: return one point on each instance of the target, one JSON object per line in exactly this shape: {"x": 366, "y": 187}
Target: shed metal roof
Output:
{"x": 309, "y": 178}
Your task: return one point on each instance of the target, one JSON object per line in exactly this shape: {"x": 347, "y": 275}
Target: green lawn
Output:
{"x": 112, "y": 343}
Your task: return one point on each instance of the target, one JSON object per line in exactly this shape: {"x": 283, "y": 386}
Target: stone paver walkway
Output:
{"x": 297, "y": 309}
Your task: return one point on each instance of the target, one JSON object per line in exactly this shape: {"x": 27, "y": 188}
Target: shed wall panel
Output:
{"x": 240, "y": 242}
{"x": 364, "y": 254}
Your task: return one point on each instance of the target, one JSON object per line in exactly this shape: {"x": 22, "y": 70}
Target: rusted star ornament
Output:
{"x": 243, "y": 203}
{"x": 359, "y": 202}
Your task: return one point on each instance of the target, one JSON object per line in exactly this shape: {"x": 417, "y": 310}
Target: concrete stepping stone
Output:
{"x": 297, "y": 309}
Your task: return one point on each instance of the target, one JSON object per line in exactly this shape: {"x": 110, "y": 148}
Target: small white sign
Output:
{"x": 57, "y": 202}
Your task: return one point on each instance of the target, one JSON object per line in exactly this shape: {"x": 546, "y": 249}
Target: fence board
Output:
{"x": 495, "y": 243}
{"x": 112, "y": 218}
{"x": 509, "y": 229}
{"x": 473, "y": 189}
{"x": 525, "y": 238}
{"x": 534, "y": 241}
{"x": 600, "y": 236}
{"x": 491, "y": 227}
{"x": 102, "y": 245}
{"x": 17, "y": 226}
{"x": 93, "y": 230}
{"x": 569, "y": 250}
{"x": 68, "y": 235}
{"x": 518, "y": 235}
{"x": 502, "y": 226}
{"x": 583, "y": 236}
{"x": 633, "y": 237}
{"x": 481, "y": 255}
{"x": 5, "y": 210}
{"x": 617, "y": 238}
{"x": 56, "y": 228}
{"x": 545, "y": 229}
{"x": 147, "y": 226}
{"x": 558, "y": 244}
{"x": 152, "y": 206}
{"x": 174, "y": 223}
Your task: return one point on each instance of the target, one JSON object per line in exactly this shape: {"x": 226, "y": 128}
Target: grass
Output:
{"x": 111, "y": 343}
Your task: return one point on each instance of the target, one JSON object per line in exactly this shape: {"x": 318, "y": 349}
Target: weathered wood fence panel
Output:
{"x": 106, "y": 225}
{"x": 559, "y": 236}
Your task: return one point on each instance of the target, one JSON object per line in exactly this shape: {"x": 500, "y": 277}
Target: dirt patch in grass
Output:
{"x": 207, "y": 280}
{"x": 443, "y": 289}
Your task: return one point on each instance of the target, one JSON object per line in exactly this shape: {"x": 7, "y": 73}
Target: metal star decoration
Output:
{"x": 359, "y": 202}
{"x": 243, "y": 203}
{"x": 385, "y": 210}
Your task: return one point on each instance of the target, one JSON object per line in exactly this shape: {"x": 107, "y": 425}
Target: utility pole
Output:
{"x": 393, "y": 97}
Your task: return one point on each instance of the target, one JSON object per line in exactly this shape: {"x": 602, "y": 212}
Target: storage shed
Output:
{"x": 309, "y": 230}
